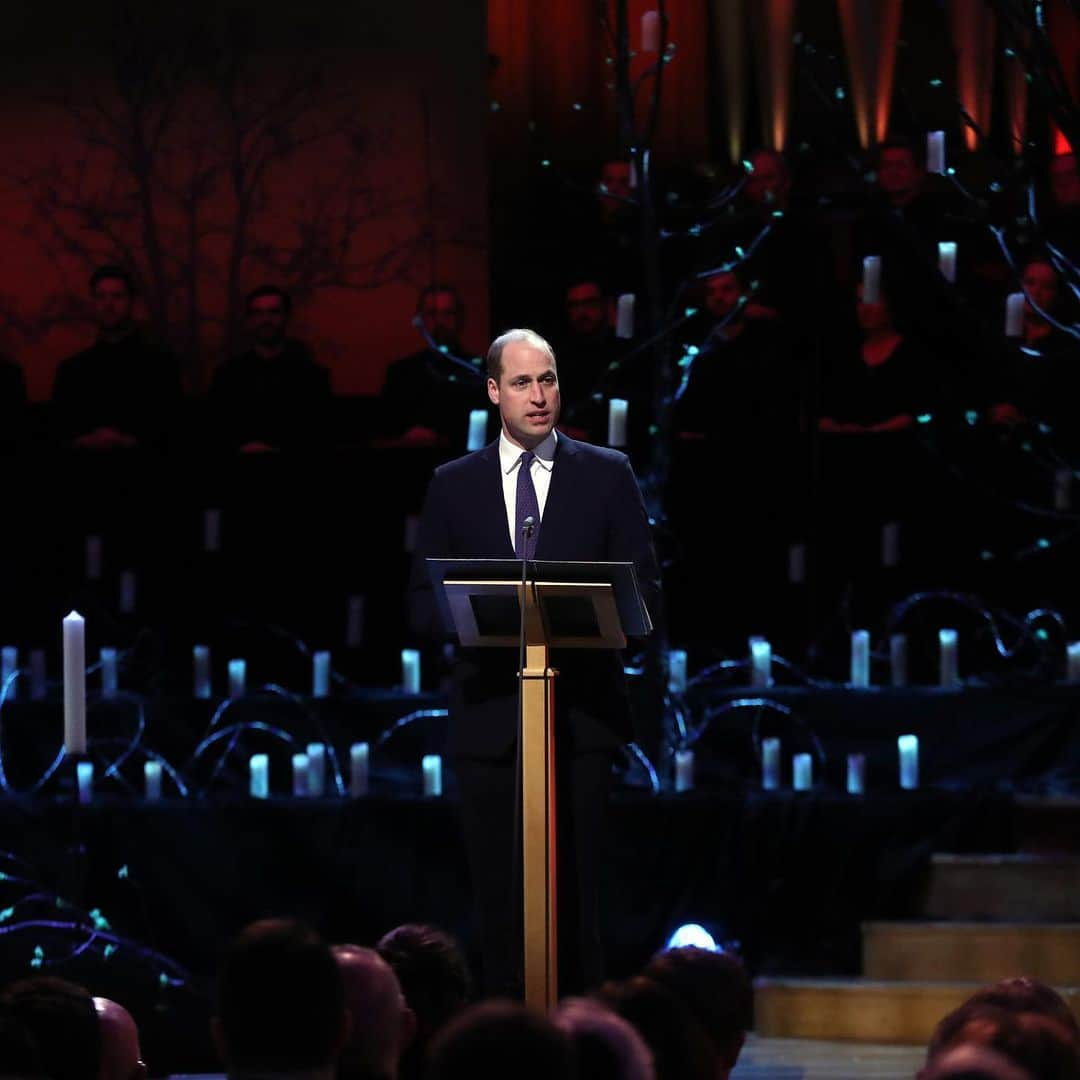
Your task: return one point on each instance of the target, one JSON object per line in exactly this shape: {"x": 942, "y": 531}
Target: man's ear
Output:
{"x": 493, "y": 391}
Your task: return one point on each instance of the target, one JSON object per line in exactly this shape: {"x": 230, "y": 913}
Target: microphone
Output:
{"x": 528, "y": 525}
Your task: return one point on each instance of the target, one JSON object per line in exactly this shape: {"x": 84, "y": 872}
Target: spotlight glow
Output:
{"x": 694, "y": 935}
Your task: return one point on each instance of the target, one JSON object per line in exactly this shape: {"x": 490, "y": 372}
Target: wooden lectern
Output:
{"x": 569, "y": 605}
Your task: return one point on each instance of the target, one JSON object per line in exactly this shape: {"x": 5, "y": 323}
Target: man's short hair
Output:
{"x": 435, "y": 289}
{"x": 495, "y": 350}
{"x": 607, "y": 1046}
{"x": 269, "y": 290}
{"x": 1025, "y": 993}
{"x": 61, "y": 1019}
{"x": 280, "y": 999}
{"x": 111, "y": 272}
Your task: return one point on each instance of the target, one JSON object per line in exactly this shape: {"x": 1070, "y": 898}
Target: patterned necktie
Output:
{"x": 526, "y": 506}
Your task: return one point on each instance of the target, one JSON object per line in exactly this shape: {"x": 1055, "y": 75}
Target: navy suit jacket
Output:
{"x": 594, "y": 512}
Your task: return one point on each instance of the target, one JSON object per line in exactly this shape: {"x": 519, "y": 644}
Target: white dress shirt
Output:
{"x": 542, "y": 464}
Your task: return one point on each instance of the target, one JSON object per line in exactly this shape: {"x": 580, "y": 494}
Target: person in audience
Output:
{"x": 1062, "y": 219}
{"x": 121, "y": 1055}
{"x": 60, "y": 1018}
{"x": 435, "y": 979}
{"x": 382, "y": 1026}
{"x": 606, "y": 1046}
{"x": 122, "y": 391}
{"x": 496, "y": 1040}
{"x": 973, "y": 1062}
{"x": 1025, "y": 993}
{"x": 768, "y": 187}
{"x": 274, "y": 396}
{"x": 717, "y": 991}
{"x": 281, "y": 1004}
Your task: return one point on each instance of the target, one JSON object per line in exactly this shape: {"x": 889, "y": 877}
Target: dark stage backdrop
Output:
{"x": 335, "y": 148}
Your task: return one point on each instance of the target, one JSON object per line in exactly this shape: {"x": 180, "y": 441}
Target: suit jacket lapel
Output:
{"x": 492, "y": 509}
{"x": 558, "y": 508}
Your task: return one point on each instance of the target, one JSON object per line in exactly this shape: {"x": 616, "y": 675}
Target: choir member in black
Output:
{"x": 123, "y": 391}
{"x": 274, "y": 396}
{"x": 12, "y": 405}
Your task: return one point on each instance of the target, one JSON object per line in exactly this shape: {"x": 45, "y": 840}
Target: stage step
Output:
{"x": 862, "y": 1010}
{"x": 964, "y": 951}
{"x": 1018, "y": 888}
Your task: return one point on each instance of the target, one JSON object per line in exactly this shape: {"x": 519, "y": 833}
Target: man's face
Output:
{"x": 113, "y": 303}
{"x": 266, "y": 319}
{"x": 615, "y": 186}
{"x": 899, "y": 175}
{"x": 586, "y": 309}
{"x": 1040, "y": 283}
{"x": 722, "y": 292}
{"x": 768, "y": 184}
{"x": 1064, "y": 182}
{"x": 527, "y": 394}
{"x": 442, "y": 317}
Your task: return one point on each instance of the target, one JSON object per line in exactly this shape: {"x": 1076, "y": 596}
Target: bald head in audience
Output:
{"x": 121, "y": 1056}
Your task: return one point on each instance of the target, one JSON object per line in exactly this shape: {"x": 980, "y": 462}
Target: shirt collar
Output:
{"x": 510, "y": 455}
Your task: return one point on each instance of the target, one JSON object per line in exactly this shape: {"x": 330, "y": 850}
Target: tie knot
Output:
{"x": 526, "y": 459}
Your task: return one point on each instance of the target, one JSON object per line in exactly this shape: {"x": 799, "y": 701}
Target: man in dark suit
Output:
{"x": 589, "y": 508}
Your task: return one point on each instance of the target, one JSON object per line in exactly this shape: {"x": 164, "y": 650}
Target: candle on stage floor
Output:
{"x": 84, "y": 776}
{"x": 871, "y": 279}
{"x": 935, "y": 152}
{"x": 898, "y": 659}
{"x": 110, "y": 680}
{"x": 908, "y": 745}
{"x": 300, "y": 776}
{"x": 38, "y": 686}
{"x": 802, "y": 768}
{"x": 316, "y": 755}
{"x": 211, "y": 529}
{"x": 320, "y": 674}
{"x": 860, "y": 658}
{"x": 684, "y": 770}
{"x": 760, "y": 662}
{"x": 152, "y": 780}
{"x": 624, "y": 316}
{"x": 259, "y": 783}
{"x": 946, "y": 260}
{"x": 948, "y": 660}
{"x": 74, "y": 683}
{"x": 676, "y": 680}
{"x": 432, "y": 767}
{"x": 856, "y": 774}
{"x": 237, "y": 678}
{"x": 1072, "y": 653}
{"x": 616, "y": 421}
{"x": 650, "y": 32}
{"x": 1014, "y": 315}
{"x": 770, "y": 764}
{"x": 200, "y": 656}
{"x": 359, "y": 756}
{"x": 478, "y": 421}
{"x": 410, "y": 671}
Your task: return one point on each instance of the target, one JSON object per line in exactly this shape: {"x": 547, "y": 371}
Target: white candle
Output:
{"x": 127, "y": 592}
{"x": 946, "y": 259}
{"x": 624, "y": 316}
{"x": 770, "y": 764}
{"x": 152, "y": 780}
{"x": 109, "y": 678}
{"x": 860, "y": 658}
{"x": 74, "y": 683}
{"x": 94, "y": 550}
{"x": 358, "y": 769}
{"x": 935, "y": 152}
{"x": 871, "y": 279}
{"x": 684, "y": 770}
{"x": 796, "y": 564}
{"x": 354, "y": 623}
{"x": 410, "y": 671}
{"x": 616, "y": 421}
{"x": 300, "y": 776}
{"x": 802, "y": 772}
{"x": 237, "y": 678}
{"x": 478, "y": 421}
{"x": 650, "y": 32}
{"x": 676, "y": 680}
{"x": 856, "y": 774}
{"x": 200, "y": 656}
{"x": 1072, "y": 653}
{"x": 211, "y": 529}
{"x": 898, "y": 659}
{"x": 259, "y": 783}
{"x": 432, "y": 767}
{"x": 9, "y": 664}
{"x": 948, "y": 664}
{"x": 1063, "y": 479}
{"x": 890, "y": 544}
{"x": 316, "y": 755}
{"x": 760, "y": 662}
{"x": 320, "y": 674}
{"x": 908, "y": 746}
{"x": 84, "y": 776}
{"x": 1014, "y": 315}
{"x": 37, "y": 674}
{"x": 412, "y": 527}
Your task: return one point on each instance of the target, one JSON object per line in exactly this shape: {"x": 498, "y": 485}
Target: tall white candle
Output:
{"x": 37, "y": 674}
{"x": 684, "y": 770}
{"x": 211, "y": 529}
{"x": 316, "y": 755}
{"x": 9, "y": 664}
{"x": 152, "y": 780}
{"x": 127, "y": 592}
{"x": 320, "y": 674}
{"x": 616, "y": 421}
{"x": 110, "y": 680}
{"x": 796, "y": 564}
{"x": 760, "y": 662}
{"x": 856, "y": 774}
{"x": 908, "y": 745}
{"x": 74, "y": 683}
{"x": 1072, "y": 669}
{"x": 860, "y": 658}
{"x": 1063, "y": 480}
{"x": 259, "y": 781}
{"x": 237, "y": 678}
{"x": 94, "y": 558}
{"x": 935, "y": 152}
{"x": 802, "y": 766}
{"x": 200, "y": 657}
{"x": 871, "y": 279}
{"x": 946, "y": 259}
{"x": 676, "y": 680}
{"x": 1014, "y": 315}
{"x": 410, "y": 671}
{"x": 478, "y": 421}
{"x": 432, "y": 768}
{"x": 359, "y": 775}
{"x": 898, "y": 659}
{"x": 354, "y": 623}
{"x": 624, "y": 316}
{"x": 84, "y": 777}
{"x": 300, "y": 776}
{"x": 650, "y": 32}
{"x": 948, "y": 662}
{"x": 890, "y": 544}
{"x": 770, "y": 764}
